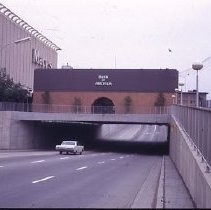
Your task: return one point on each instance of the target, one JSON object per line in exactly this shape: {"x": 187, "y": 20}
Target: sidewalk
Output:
{"x": 176, "y": 194}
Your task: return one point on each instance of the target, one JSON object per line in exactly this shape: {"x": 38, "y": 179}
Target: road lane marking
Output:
{"x": 101, "y": 162}
{"x": 42, "y": 180}
{"x": 121, "y": 157}
{"x": 81, "y": 168}
{"x": 155, "y": 128}
{"x": 1, "y": 166}
{"x": 38, "y": 161}
{"x": 63, "y": 158}
{"x": 113, "y": 159}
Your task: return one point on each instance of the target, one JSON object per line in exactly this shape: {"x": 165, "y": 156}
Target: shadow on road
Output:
{"x": 150, "y": 148}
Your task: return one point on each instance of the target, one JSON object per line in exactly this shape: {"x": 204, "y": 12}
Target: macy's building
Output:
{"x": 23, "y": 48}
{"x": 127, "y": 89}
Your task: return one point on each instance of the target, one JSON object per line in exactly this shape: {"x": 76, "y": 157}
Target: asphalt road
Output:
{"x": 137, "y": 133}
{"x": 90, "y": 180}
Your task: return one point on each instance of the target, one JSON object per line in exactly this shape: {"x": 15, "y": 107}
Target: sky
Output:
{"x": 148, "y": 34}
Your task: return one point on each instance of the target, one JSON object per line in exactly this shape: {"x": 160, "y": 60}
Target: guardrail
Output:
{"x": 196, "y": 122}
{"x": 49, "y": 108}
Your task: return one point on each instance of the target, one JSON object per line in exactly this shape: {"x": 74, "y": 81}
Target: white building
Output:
{"x": 23, "y": 48}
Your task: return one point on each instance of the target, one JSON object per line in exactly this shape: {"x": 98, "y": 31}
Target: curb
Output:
{"x": 160, "y": 193}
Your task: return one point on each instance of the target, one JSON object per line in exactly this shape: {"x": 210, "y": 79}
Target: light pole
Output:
{"x": 181, "y": 100}
{"x": 197, "y": 66}
{"x": 176, "y": 91}
{"x": 173, "y": 97}
{"x": 25, "y": 39}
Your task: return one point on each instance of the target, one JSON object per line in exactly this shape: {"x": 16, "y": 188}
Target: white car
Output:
{"x": 70, "y": 147}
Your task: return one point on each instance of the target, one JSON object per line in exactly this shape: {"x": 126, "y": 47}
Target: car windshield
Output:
{"x": 68, "y": 143}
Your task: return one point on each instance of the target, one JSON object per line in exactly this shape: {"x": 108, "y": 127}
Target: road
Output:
{"x": 137, "y": 133}
{"x": 90, "y": 180}
{"x": 45, "y": 179}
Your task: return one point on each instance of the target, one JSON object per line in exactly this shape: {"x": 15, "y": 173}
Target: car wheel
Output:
{"x": 60, "y": 152}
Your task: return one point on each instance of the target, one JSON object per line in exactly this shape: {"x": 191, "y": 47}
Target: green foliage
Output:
{"x": 46, "y": 97}
{"x": 77, "y": 105}
{"x": 127, "y": 103}
{"x": 160, "y": 100}
{"x": 11, "y": 91}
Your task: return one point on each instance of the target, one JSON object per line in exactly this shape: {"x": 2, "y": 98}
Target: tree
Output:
{"x": 77, "y": 105}
{"x": 160, "y": 101}
{"x": 46, "y": 97}
{"x": 11, "y": 91}
{"x": 127, "y": 103}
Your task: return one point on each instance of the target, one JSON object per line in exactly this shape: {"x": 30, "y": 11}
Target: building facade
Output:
{"x": 125, "y": 89}
{"x": 189, "y": 98}
{"x": 23, "y": 48}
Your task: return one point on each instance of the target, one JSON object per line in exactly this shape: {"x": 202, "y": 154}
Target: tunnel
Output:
{"x": 127, "y": 138}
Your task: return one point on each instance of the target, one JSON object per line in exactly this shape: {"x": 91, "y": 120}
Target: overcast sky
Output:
{"x": 126, "y": 33}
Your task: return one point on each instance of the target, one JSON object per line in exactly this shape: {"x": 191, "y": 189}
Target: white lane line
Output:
{"x": 1, "y": 166}
{"x": 63, "y": 158}
{"x": 121, "y": 157}
{"x": 155, "y": 128}
{"x": 113, "y": 159}
{"x": 81, "y": 168}
{"x": 38, "y": 161}
{"x": 42, "y": 180}
{"x": 101, "y": 162}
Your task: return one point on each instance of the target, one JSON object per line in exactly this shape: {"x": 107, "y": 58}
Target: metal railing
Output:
{"x": 49, "y": 108}
{"x": 196, "y": 122}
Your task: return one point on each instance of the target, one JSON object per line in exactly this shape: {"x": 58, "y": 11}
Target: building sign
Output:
{"x": 103, "y": 80}
{"x": 42, "y": 63}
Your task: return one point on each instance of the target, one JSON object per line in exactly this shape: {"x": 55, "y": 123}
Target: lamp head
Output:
{"x": 181, "y": 83}
{"x": 22, "y": 40}
{"x": 176, "y": 89}
{"x": 197, "y": 66}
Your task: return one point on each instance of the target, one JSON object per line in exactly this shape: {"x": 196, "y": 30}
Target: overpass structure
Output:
{"x": 189, "y": 136}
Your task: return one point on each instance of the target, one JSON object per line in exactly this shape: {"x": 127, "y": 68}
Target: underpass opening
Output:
{"x": 103, "y": 105}
{"x": 134, "y": 138}
{"x": 48, "y": 134}
{"x": 119, "y": 137}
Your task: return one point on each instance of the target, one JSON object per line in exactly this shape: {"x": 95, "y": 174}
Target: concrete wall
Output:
{"x": 16, "y": 134}
{"x": 5, "y": 121}
{"x": 190, "y": 166}
{"x": 19, "y": 133}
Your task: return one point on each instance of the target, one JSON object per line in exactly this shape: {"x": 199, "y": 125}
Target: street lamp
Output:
{"x": 181, "y": 100}
{"x": 15, "y": 42}
{"x": 197, "y": 66}
{"x": 22, "y": 40}
{"x": 176, "y": 91}
{"x": 173, "y": 97}
{"x": 25, "y": 39}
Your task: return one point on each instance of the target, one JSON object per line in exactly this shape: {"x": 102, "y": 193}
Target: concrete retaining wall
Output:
{"x": 190, "y": 166}
{"x": 17, "y": 134}
{"x": 5, "y": 121}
